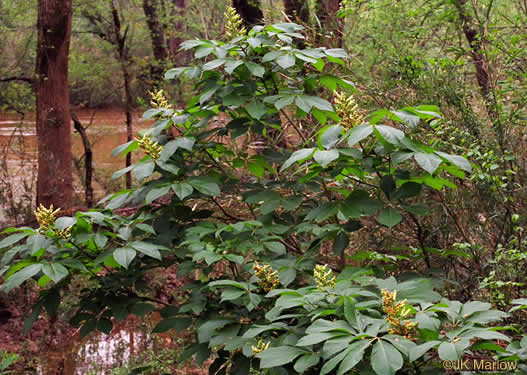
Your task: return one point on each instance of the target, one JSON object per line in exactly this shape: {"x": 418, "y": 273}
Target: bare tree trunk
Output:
{"x": 297, "y": 10}
{"x": 55, "y": 171}
{"x": 88, "y": 160}
{"x": 327, "y": 13}
{"x": 176, "y": 38}
{"x": 249, "y": 11}
{"x": 157, "y": 34}
{"x": 481, "y": 65}
{"x": 120, "y": 40}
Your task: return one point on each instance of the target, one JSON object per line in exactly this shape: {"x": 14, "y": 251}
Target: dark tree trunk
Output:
{"x": 157, "y": 34}
{"x": 327, "y": 13}
{"x": 122, "y": 50}
{"x": 297, "y": 10}
{"x": 251, "y": 14}
{"x": 55, "y": 181}
{"x": 480, "y": 63}
{"x": 179, "y": 26}
{"x": 88, "y": 160}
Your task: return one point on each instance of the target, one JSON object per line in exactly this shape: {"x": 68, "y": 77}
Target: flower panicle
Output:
{"x": 158, "y": 99}
{"x": 150, "y": 147}
{"x": 267, "y": 277}
{"x": 46, "y": 216}
{"x": 233, "y": 24}
{"x": 348, "y": 110}
{"x": 260, "y": 347}
{"x": 324, "y": 277}
{"x": 398, "y": 312}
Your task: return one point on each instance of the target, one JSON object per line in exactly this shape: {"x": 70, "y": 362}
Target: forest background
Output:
{"x": 467, "y": 57}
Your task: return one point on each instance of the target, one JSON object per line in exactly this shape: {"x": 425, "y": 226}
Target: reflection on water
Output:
{"x": 106, "y": 129}
{"x": 18, "y": 154}
{"x": 98, "y": 353}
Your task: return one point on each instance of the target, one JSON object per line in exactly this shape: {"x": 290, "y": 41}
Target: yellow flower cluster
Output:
{"x": 267, "y": 277}
{"x": 233, "y": 24}
{"x": 348, "y": 110}
{"x": 324, "y": 277}
{"x": 260, "y": 347}
{"x": 46, "y": 216}
{"x": 159, "y": 100}
{"x": 397, "y": 315}
{"x": 65, "y": 233}
{"x": 150, "y": 147}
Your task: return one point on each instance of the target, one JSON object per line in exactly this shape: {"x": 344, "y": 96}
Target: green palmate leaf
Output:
{"x": 358, "y": 133}
{"x": 129, "y": 146}
{"x": 231, "y": 65}
{"x": 278, "y": 356}
{"x": 156, "y": 192}
{"x": 390, "y": 134}
{"x": 429, "y": 162}
{"x": 88, "y": 327}
{"x": 273, "y": 55}
{"x": 175, "y": 323}
{"x": 315, "y": 338}
{"x": 124, "y": 256}
{"x": 387, "y": 184}
{"x": 420, "y": 350}
{"x": 213, "y": 64}
{"x": 142, "y": 308}
{"x": 257, "y": 329}
{"x": 65, "y": 222}
{"x": 285, "y": 61}
{"x": 12, "y": 239}
{"x": 390, "y": 217}
{"x": 470, "y": 308}
{"x": 297, "y": 156}
{"x": 122, "y": 172}
{"x": 341, "y": 243}
{"x": 230, "y": 294}
{"x": 385, "y": 359}
{"x": 330, "y": 136}
{"x": 291, "y": 203}
{"x": 182, "y": 190}
{"x": 284, "y": 101}
{"x": 205, "y": 185}
{"x": 332, "y": 363}
{"x": 144, "y": 170}
{"x": 303, "y": 104}
{"x": 354, "y": 355}
{"x": 275, "y": 247}
{"x": 483, "y": 333}
{"x": 256, "y": 109}
{"x": 320, "y": 116}
{"x": 208, "y": 329}
{"x": 186, "y": 143}
{"x": 306, "y": 361}
{"x": 32, "y": 318}
{"x": 55, "y": 271}
{"x": 146, "y": 248}
{"x": 408, "y": 190}
{"x": 19, "y": 277}
{"x": 325, "y": 157}
{"x": 407, "y": 117}
{"x": 315, "y": 101}
{"x": 452, "y": 351}
{"x": 458, "y": 161}
{"x": 337, "y": 52}
{"x": 255, "y": 69}
{"x": 105, "y": 326}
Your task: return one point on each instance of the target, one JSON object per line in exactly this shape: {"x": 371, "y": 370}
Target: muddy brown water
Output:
{"x": 18, "y": 151}
{"x": 98, "y": 353}
{"x": 18, "y": 163}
